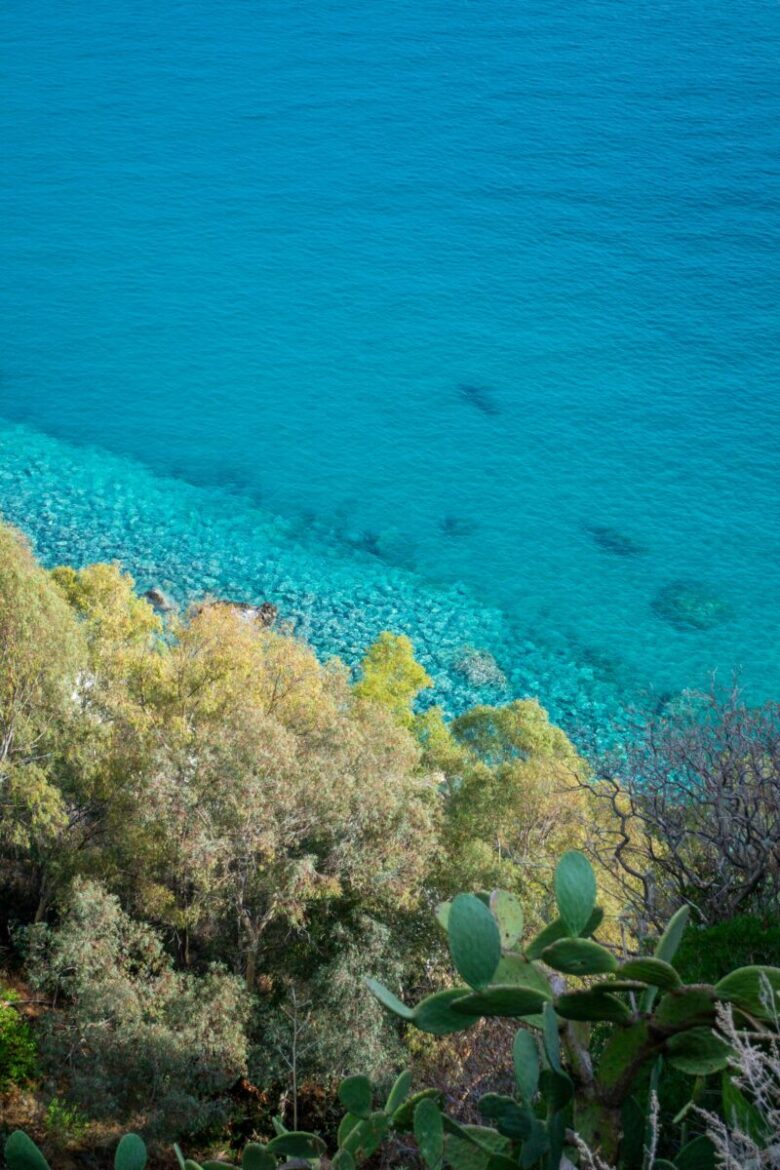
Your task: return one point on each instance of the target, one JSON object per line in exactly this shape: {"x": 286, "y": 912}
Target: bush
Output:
{"x": 135, "y": 1037}
{"x": 18, "y": 1052}
{"x": 708, "y": 953}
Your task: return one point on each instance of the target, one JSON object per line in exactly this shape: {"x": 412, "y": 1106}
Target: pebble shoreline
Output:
{"x": 79, "y": 505}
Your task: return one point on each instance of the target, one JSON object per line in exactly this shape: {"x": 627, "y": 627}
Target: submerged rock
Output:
{"x": 480, "y": 397}
{"x": 612, "y": 540}
{"x": 457, "y": 526}
{"x": 159, "y": 600}
{"x": 690, "y": 605}
{"x": 264, "y": 614}
{"x": 479, "y": 668}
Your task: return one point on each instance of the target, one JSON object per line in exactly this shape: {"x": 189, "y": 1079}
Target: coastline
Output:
{"x": 80, "y": 504}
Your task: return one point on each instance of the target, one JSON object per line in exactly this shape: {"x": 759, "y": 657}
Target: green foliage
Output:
{"x": 64, "y": 1122}
{"x": 206, "y": 791}
{"x": 41, "y": 656}
{"x": 18, "y": 1050}
{"x": 134, "y": 1034}
{"x": 706, "y": 954}
{"x": 391, "y": 676}
{"x": 580, "y": 1084}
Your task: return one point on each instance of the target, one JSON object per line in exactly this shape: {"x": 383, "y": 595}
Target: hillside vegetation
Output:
{"x": 209, "y": 840}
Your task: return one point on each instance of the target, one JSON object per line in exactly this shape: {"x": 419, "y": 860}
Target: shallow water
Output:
{"x": 456, "y": 318}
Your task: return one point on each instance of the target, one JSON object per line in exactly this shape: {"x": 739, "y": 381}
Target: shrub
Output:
{"x": 696, "y": 792}
{"x": 708, "y": 953}
{"x": 18, "y": 1051}
{"x": 134, "y": 1037}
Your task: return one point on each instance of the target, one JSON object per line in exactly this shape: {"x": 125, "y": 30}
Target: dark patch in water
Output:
{"x": 457, "y": 526}
{"x": 365, "y": 541}
{"x": 690, "y": 605}
{"x": 480, "y": 397}
{"x": 612, "y": 540}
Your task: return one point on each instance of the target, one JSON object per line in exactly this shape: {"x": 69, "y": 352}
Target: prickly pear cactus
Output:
{"x": 558, "y": 985}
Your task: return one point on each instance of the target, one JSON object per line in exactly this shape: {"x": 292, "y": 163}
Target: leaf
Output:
{"x": 436, "y": 1014}
{"x": 21, "y": 1153}
{"x": 592, "y": 1005}
{"x": 575, "y": 890}
{"x": 579, "y": 956}
{"x": 698, "y": 1154}
{"x": 622, "y": 1048}
{"x": 632, "y": 1117}
{"x": 512, "y": 1120}
{"x": 666, "y": 947}
{"x": 525, "y": 1057}
{"x": 190, "y": 1164}
{"x": 130, "y": 1153}
{"x": 656, "y": 972}
{"x": 551, "y": 1038}
{"x": 593, "y": 923}
{"x": 557, "y": 1089}
{"x": 443, "y": 914}
{"x": 535, "y": 1146}
{"x": 501, "y": 1162}
{"x": 697, "y": 1052}
{"x": 256, "y": 1157}
{"x": 749, "y": 987}
{"x": 180, "y": 1155}
{"x": 515, "y": 969}
{"x": 475, "y": 943}
{"x": 470, "y": 1147}
{"x": 742, "y": 1114}
{"x": 551, "y": 933}
{"x": 388, "y": 1000}
{"x": 346, "y": 1125}
{"x": 429, "y": 1133}
{"x": 356, "y": 1095}
{"x": 611, "y": 986}
{"x": 508, "y": 913}
{"x": 686, "y": 1006}
{"x": 399, "y": 1092}
{"x": 508, "y": 1001}
{"x": 556, "y": 1133}
{"x": 403, "y": 1118}
{"x": 367, "y": 1136}
{"x": 296, "y": 1144}
{"x": 343, "y": 1160}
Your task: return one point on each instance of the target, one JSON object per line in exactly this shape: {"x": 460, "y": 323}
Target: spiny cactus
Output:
{"x": 561, "y": 1087}
{"x": 21, "y": 1153}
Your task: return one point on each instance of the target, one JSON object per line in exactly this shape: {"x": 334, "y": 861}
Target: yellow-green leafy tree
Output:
{"x": 392, "y": 677}
{"x": 42, "y": 665}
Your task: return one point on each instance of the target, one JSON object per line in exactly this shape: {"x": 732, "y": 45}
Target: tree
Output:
{"x": 517, "y": 798}
{"x": 271, "y": 791}
{"x": 392, "y": 677}
{"x": 130, "y": 1035}
{"x": 42, "y": 663}
{"x": 694, "y": 799}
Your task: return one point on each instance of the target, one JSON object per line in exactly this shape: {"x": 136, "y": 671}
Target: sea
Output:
{"x": 451, "y": 318}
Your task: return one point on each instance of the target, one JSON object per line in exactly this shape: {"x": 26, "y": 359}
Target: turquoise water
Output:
{"x": 456, "y": 318}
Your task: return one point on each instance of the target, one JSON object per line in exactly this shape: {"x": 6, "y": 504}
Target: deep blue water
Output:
{"x": 460, "y": 318}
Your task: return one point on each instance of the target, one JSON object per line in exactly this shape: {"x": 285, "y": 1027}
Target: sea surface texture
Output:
{"x": 455, "y": 318}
